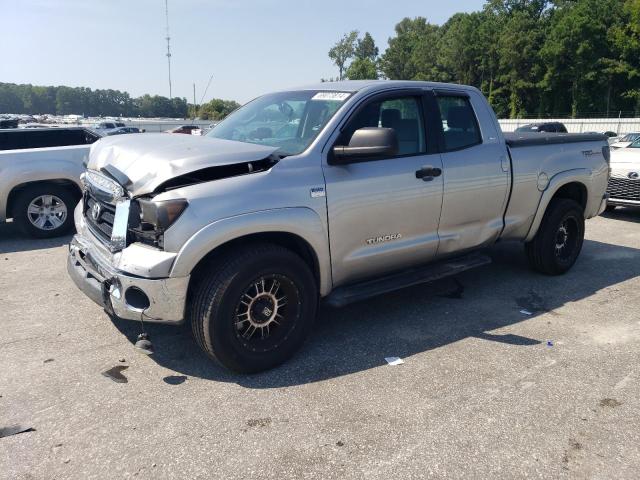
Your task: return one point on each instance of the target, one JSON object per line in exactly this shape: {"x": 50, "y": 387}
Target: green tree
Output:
{"x": 216, "y": 109}
{"x": 412, "y": 53}
{"x": 460, "y": 50}
{"x": 576, "y": 52}
{"x": 362, "y": 69}
{"x": 366, "y": 48}
{"x": 343, "y": 51}
{"x": 365, "y": 64}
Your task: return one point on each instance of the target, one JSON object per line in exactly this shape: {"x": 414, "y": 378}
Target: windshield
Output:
{"x": 635, "y": 144}
{"x": 630, "y": 137}
{"x": 287, "y": 120}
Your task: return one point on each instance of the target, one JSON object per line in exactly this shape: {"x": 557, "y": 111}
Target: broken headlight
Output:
{"x": 149, "y": 219}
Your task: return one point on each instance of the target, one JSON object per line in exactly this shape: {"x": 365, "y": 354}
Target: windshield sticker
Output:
{"x": 337, "y": 96}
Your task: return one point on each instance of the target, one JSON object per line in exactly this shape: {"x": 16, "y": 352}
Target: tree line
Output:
{"x": 62, "y": 100}
{"x": 529, "y": 57}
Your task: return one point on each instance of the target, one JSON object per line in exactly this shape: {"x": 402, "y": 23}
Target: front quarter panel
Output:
{"x": 300, "y": 221}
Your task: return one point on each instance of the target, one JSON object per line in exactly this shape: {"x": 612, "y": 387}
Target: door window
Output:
{"x": 459, "y": 123}
{"x": 401, "y": 114}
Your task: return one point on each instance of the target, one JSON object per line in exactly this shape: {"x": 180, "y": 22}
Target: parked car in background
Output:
{"x": 624, "y": 183}
{"x": 625, "y": 141}
{"x": 186, "y": 129}
{"x": 340, "y": 191}
{"x": 108, "y": 125}
{"x": 607, "y": 134}
{"x": 8, "y": 123}
{"x": 40, "y": 177}
{"x": 122, "y": 131}
{"x": 548, "y": 127}
{"x": 38, "y": 125}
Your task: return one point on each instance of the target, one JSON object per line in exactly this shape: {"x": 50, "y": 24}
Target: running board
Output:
{"x": 342, "y": 296}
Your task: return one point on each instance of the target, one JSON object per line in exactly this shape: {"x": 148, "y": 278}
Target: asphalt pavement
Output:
{"x": 506, "y": 374}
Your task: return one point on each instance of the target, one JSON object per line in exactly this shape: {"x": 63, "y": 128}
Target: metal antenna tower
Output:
{"x": 166, "y": 11}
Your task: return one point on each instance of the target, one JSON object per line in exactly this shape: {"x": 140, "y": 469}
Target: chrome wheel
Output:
{"x": 47, "y": 212}
{"x": 266, "y": 312}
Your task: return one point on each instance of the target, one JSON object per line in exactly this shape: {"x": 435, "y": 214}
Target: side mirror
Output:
{"x": 366, "y": 143}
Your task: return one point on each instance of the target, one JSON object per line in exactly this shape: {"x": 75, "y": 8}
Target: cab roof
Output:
{"x": 357, "y": 85}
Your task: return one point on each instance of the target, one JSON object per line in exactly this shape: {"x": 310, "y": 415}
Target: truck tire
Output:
{"x": 44, "y": 210}
{"x": 254, "y": 308}
{"x": 558, "y": 242}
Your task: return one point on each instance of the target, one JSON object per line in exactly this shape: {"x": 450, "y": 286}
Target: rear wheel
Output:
{"x": 255, "y": 308}
{"x": 44, "y": 210}
{"x": 557, "y": 244}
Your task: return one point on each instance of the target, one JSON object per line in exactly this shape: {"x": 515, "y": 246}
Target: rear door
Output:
{"x": 476, "y": 173}
{"x": 381, "y": 216}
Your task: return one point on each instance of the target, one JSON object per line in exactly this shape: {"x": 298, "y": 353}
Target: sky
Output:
{"x": 250, "y": 47}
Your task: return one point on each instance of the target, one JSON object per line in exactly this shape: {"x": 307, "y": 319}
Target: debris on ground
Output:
{"x": 174, "y": 379}
{"x": 610, "y": 402}
{"x": 549, "y": 343}
{"x": 394, "y": 360}
{"x": 115, "y": 374}
{"x": 259, "y": 422}
{"x": 16, "y": 429}
{"x": 526, "y": 312}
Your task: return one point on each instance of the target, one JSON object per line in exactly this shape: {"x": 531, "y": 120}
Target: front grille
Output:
{"x": 624, "y": 188}
{"x": 102, "y": 226}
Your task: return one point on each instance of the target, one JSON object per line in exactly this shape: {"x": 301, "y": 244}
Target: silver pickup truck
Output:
{"x": 333, "y": 192}
{"x": 40, "y": 172}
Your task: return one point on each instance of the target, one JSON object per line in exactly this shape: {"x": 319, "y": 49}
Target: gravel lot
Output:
{"x": 485, "y": 391}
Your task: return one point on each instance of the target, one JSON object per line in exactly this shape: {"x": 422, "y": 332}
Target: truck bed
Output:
{"x": 548, "y": 154}
{"x": 518, "y": 139}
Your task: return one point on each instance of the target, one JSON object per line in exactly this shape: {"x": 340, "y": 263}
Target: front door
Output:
{"x": 381, "y": 216}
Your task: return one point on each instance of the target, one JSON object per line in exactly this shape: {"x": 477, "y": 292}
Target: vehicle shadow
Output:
{"x": 13, "y": 240}
{"x": 630, "y": 214}
{"x": 415, "y": 320}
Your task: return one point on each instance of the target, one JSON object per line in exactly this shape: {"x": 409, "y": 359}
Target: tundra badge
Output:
{"x": 383, "y": 238}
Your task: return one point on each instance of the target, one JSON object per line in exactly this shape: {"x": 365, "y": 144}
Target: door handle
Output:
{"x": 428, "y": 173}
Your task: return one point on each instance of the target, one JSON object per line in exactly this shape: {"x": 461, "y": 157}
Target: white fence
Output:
{"x": 580, "y": 125}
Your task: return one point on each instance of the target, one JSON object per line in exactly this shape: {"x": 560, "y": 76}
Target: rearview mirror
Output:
{"x": 366, "y": 143}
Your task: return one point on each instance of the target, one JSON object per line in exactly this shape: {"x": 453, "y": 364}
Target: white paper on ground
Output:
{"x": 526, "y": 312}
{"x": 394, "y": 360}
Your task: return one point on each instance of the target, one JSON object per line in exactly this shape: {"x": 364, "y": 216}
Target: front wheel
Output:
{"x": 255, "y": 308}
{"x": 559, "y": 239}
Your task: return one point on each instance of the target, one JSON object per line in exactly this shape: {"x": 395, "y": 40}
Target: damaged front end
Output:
{"x": 118, "y": 220}
{"x": 118, "y": 256}
{"x": 149, "y": 218}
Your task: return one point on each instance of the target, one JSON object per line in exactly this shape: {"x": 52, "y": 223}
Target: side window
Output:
{"x": 90, "y": 137}
{"x": 458, "y": 123}
{"x": 401, "y": 114}
{"x": 13, "y": 140}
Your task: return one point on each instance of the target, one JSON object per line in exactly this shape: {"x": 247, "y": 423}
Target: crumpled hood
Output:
{"x": 150, "y": 159}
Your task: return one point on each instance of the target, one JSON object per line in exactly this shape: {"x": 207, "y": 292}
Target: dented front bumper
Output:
{"x": 131, "y": 294}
